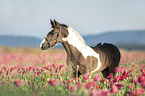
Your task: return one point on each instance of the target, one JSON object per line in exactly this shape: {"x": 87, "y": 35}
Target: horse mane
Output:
{"x": 76, "y": 34}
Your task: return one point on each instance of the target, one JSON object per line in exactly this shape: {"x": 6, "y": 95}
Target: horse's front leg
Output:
{"x": 71, "y": 66}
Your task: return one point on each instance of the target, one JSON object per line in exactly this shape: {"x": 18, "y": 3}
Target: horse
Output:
{"x": 81, "y": 58}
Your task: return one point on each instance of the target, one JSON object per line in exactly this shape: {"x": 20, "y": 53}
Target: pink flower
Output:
{"x": 97, "y": 77}
{"x": 141, "y": 78}
{"x": 19, "y": 82}
{"x": 5, "y": 68}
{"x": 101, "y": 92}
{"x": 1, "y": 71}
{"x": 61, "y": 66}
{"x": 72, "y": 88}
{"x": 140, "y": 91}
{"x": 89, "y": 85}
{"x": 54, "y": 82}
{"x": 110, "y": 76}
{"x": 130, "y": 93}
{"x": 86, "y": 77}
{"x": 79, "y": 85}
{"x": 29, "y": 82}
{"x": 143, "y": 84}
{"x": 114, "y": 89}
{"x": 116, "y": 69}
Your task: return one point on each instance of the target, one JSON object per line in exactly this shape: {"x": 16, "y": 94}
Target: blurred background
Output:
{"x": 121, "y": 22}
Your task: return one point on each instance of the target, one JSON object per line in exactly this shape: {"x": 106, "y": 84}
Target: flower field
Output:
{"x": 29, "y": 73}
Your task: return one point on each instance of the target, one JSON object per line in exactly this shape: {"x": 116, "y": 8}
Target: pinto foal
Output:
{"x": 81, "y": 58}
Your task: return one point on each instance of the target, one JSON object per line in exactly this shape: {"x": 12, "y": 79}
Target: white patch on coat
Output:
{"x": 42, "y": 42}
{"x": 77, "y": 41}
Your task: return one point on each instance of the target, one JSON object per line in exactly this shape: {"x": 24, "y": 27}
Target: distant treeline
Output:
{"x": 131, "y": 47}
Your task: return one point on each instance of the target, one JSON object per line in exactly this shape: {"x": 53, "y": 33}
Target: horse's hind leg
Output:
{"x": 105, "y": 72}
{"x": 112, "y": 67}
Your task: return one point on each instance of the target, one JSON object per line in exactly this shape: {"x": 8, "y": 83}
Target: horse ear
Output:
{"x": 56, "y": 23}
{"x": 52, "y": 23}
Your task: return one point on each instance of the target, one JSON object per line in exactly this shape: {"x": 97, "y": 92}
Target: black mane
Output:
{"x": 64, "y": 25}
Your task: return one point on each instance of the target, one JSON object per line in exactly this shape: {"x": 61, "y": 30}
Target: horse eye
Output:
{"x": 51, "y": 33}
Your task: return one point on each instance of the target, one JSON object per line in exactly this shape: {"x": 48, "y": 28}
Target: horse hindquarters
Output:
{"x": 115, "y": 62}
{"x": 110, "y": 57}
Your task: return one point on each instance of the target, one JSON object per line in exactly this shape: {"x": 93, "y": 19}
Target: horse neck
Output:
{"x": 74, "y": 43}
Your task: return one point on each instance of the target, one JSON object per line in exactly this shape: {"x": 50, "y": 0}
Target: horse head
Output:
{"x": 57, "y": 32}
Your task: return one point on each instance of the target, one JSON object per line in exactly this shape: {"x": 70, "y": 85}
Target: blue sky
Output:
{"x": 31, "y": 17}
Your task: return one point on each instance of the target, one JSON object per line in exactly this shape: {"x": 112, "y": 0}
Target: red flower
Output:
{"x": 117, "y": 79}
{"x": 122, "y": 77}
{"x": 75, "y": 79}
{"x": 54, "y": 82}
{"x": 5, "y": 68}
{"x": 111, "y": 82}
{"x": 110, "y": 76}
{"x": 98, "y": 86}
{"x": 38, "y": 73}
{"x": 119, "y": 86}
{"x": 42, "y": 69}
{"x": 64, "y": 81}
{"x": 24, "y": 72}
{"x": 114, "y": 89}
{"x": 104, "y": 80}
{"x": 125, "y": 73}
{"x": 19, "y": 82}
{"x": 89, "y": 85}
{"x": 130, "y": 70}
{"x": 56, "y": 70}
{"x": 135, "y": 81}
{"x": 7, "y": 72}
{"x": 54, "y": 66}
{"x": 116, "y": 69}
{"x": 79, "y": 85}
{"x": 72, "y": 88}
{"x": 68, "y": 81}
{"x": 130, "y": 86}
{"x": 97, "y": 77}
